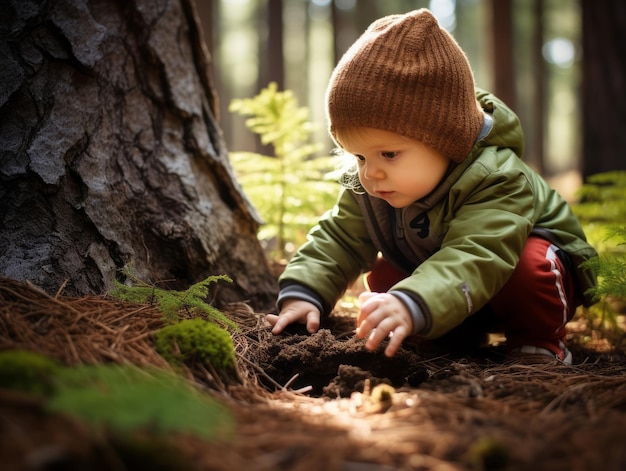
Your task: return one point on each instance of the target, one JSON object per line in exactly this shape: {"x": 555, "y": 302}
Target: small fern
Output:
{"x": 291, "y": 188}
{"x": 125, "y": 399}
{"x": 602, "y": 210}
{"x": 603, "y": 198}
{"x": 610, "y": 267}
{"x": 171, "y": 302}
{"x": 602, "y": 205}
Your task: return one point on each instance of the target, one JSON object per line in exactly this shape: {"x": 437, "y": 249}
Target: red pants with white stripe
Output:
{"x": 531, "y": 309}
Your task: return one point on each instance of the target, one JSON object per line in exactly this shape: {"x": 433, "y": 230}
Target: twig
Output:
{"x": 259, "y": 370}
{"x": 288, "y": 383}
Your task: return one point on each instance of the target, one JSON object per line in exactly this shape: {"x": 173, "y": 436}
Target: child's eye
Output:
{"x": 359, "y": 157}
{"x": 389, "y": 155}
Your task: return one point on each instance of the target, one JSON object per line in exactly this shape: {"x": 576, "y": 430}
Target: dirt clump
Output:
{"x": 335, "y": 367}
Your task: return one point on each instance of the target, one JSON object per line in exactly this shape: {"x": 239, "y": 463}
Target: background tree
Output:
{"x": 111, "y": 152}
{"x": 543, "y": 42}
{"x": 272, "y": 58}
{"x": 503, "y": 58}
{"x": 604, "y": 93}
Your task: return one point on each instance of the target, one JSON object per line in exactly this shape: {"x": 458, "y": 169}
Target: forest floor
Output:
{"x": 322, "y": 402}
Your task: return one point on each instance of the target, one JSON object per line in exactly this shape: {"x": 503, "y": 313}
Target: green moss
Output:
{"x": 155, "y": 453}
{"x": 125, "y": 399}
{"x": 196, "y": 340}
{"x": 27, "y": 371}
{"x": 488, "y": 454}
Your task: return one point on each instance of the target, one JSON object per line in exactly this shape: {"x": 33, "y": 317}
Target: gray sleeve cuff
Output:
{"x": 300, "y": 292}
{"x": 419, "y": 321}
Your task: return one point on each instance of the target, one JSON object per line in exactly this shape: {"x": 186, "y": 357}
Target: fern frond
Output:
{"x": 171, "y": 302}
{"x": 277, "y": 185}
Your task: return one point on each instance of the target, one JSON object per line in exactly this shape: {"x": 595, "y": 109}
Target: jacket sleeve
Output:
{"x": 491, "y": 216}
{"x": 337, "y": 250}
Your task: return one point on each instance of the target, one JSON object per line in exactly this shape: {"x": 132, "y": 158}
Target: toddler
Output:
{"x": 459, "y": 236}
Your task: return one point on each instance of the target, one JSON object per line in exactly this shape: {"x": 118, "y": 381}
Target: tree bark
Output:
{"x": 502, "y": 41}
{"x": 604, "y": 94}
{"x": 272, "y": 66}
{"x": 539, "y": 100}
{"x": 111, "y": 152}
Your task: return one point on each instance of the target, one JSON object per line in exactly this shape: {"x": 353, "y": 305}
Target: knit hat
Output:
{"x": 407, "y": 75}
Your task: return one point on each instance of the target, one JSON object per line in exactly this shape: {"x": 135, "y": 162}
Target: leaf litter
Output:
{"x": 309, "y": 402}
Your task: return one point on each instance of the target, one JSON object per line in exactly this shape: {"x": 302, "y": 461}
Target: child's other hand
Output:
{"x": 295, "y": 310}
{"x": 382, "y": 314}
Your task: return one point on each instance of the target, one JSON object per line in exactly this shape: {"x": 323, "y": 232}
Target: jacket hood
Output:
{"x": 507, "y": 130}
{"x": 505, "y": 133}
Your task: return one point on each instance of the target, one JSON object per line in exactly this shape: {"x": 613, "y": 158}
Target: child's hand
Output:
{"x": 382, "y": 314}
{"x": 295, "y": 310}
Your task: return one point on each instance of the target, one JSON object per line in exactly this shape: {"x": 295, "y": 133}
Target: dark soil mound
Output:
{"x": 336, "y": 368}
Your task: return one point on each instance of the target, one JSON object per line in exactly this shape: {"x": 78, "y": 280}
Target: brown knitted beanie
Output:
{"x": 407, "y": 75}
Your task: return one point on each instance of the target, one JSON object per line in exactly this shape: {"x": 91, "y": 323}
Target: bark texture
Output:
{"x": 112, "y": 154}
{"x": 603, "y": 91}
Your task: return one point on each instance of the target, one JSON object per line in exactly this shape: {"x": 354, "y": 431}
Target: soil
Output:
{"x": 321, "y": 401}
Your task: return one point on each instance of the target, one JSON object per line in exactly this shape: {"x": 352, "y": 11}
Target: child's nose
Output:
{"x": 373, "y": 172}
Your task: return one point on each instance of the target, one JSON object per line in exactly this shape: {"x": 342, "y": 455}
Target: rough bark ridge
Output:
{"x": 111, "y": 152}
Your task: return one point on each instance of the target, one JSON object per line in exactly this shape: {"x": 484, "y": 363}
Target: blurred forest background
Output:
{"x": 529, "y": 52}
{"x": 560, "y": 64}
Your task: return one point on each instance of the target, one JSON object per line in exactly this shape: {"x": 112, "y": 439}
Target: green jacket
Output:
{"x": 461, "y": 243}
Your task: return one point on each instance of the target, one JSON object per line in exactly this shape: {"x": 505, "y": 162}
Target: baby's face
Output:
{"x": 393, "y": 167}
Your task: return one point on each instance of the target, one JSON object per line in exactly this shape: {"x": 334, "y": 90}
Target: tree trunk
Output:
{"x": 539, "y": 69}
{"x": 272, "y": 66}
{"x": 502, "y": 41}
{"x": 604, "y": 94}
{"x": 111, "y": 153}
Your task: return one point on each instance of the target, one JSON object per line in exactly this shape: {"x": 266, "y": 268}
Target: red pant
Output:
{"x": 531, "y": 309}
